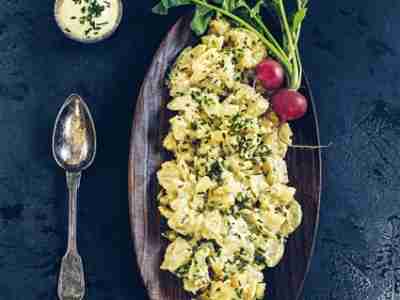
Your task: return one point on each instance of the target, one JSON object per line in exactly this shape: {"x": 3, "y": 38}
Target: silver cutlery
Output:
{"x": 74, "y": 149}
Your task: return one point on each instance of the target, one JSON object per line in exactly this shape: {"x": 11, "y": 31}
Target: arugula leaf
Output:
{"x": 201, "y": 19}
{"x": 231, "y": 5}
{"x": 164, "y": 5}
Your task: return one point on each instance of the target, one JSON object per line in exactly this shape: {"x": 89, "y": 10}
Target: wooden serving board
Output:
{"x": 150, "y": 126}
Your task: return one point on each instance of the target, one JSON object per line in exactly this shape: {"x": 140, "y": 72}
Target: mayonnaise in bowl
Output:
{"x": 88, "y": 21}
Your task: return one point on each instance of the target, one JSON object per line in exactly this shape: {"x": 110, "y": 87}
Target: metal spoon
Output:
{"x": 74, "y": 149}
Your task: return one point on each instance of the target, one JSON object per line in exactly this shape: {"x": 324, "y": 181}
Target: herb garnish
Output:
{"x": 91, "y": 10}
{"x": 216, "y": 170}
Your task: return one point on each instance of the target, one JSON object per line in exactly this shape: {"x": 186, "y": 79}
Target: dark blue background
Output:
{"x": 351, "y": 53}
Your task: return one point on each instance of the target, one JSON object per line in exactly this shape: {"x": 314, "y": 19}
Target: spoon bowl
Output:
{"x": 74, "y": 135}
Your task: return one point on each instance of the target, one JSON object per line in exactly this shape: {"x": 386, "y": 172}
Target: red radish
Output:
{"x": 289, "y": 104}
{"x": 271, "y": 74}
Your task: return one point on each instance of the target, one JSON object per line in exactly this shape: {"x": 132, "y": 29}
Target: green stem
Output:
{"x": 299, "y": 70}
{"x": 298, "y": 58}
{"x": 270, "y": 36}
{"x": 268, "y": 33}
{"x": 294, "y": 56}
{"x": 298, "y": 4}
{"x": 277, "y": 53}
{"x": 286, "y": 28}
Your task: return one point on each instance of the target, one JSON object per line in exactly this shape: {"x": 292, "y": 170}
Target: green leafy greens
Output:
{"x": 247, "y": 14}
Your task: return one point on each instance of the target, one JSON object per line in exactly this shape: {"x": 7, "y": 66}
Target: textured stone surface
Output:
{"x": 351, "y": 52}
{"x": 352, "y": 58}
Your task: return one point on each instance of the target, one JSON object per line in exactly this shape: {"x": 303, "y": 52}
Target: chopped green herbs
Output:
{"x": 215, "y": 171}
{"x": 91, "y": 10}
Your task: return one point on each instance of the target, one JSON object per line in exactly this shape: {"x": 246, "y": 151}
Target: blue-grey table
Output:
{"x": 351, "y": 53}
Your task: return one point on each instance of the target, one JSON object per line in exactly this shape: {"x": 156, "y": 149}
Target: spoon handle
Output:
{"x": 71, "y": 282}
{"x": 73, "y": 182}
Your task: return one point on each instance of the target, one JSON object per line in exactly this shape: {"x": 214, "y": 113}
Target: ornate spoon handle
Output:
{"x": 71, "y": 282}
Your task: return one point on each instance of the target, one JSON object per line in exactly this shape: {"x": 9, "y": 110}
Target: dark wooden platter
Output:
{"x": 150, "y": 126}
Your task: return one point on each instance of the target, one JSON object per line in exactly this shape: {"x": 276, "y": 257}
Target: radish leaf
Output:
{"x": 164, "y": 5}
{"x": 201, "y": 19}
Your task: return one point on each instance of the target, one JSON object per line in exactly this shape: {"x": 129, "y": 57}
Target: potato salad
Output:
{"x": 225, "y": 195}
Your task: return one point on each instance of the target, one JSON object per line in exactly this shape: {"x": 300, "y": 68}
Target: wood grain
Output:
{"x": 146, "y": 155}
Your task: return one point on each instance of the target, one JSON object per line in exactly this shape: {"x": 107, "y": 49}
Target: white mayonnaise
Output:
{"x": 88, "y": 20}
